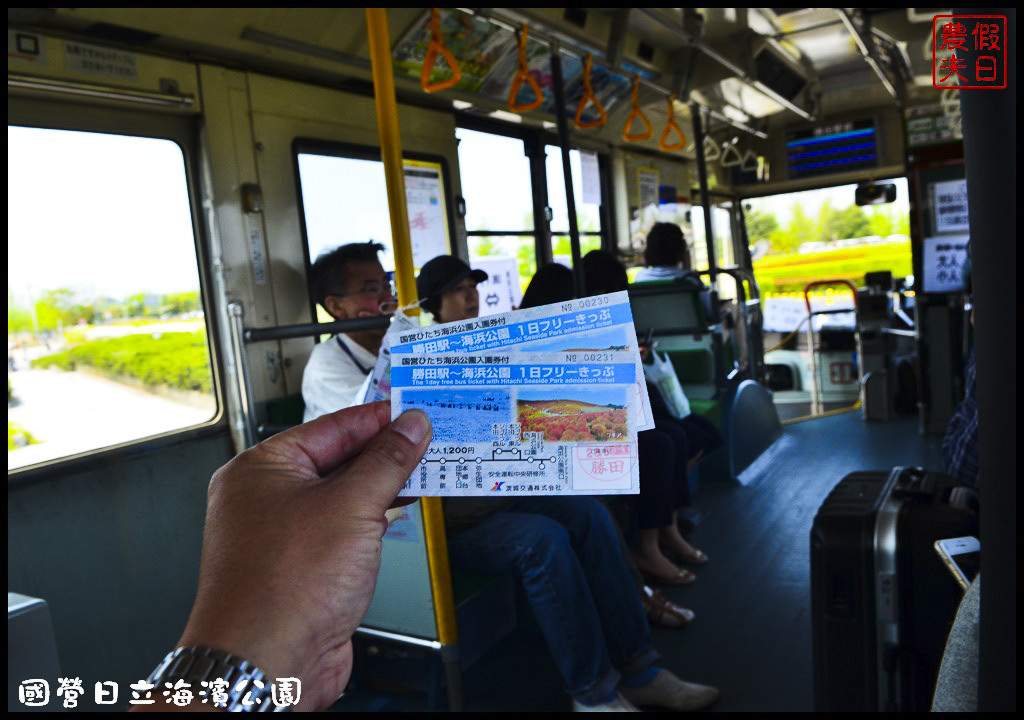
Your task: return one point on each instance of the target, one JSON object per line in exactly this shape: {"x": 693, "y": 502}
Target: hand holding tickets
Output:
{"x": 546, "y": 401}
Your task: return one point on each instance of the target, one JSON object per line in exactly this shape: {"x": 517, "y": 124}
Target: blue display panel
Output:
{"x": 834, "y": 148}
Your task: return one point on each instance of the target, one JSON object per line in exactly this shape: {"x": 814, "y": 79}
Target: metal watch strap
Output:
{"x": 195, "y": 665}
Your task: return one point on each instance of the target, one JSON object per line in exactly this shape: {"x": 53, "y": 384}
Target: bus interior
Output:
{"x": 173, "y": 174}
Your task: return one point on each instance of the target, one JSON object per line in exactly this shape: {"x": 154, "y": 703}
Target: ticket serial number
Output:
{"x": 591, "y": 302}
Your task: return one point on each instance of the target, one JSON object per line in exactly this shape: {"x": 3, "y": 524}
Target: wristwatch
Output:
{"x": 244, "y": 687}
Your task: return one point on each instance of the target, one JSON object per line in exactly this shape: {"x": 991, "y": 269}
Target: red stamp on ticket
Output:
{"x": 969, "y": 52}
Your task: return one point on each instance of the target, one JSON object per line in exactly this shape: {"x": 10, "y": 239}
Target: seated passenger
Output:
{"x": 447, "y": 289}
{"x": 668, "y": 258}
{"x": 553, "y": 283}
{"x": 565, "y": 553}
{"x": 665, "y": 255}
{"x": 667, "y": 455}
{"x": 349, "y": 283}
{"x": 960, "y": 443}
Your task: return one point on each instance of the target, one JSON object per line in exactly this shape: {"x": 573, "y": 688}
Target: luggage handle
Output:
{"x": 913, "y": 482}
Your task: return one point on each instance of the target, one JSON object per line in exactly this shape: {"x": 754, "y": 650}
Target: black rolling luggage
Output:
{"x": 881, "y": 599}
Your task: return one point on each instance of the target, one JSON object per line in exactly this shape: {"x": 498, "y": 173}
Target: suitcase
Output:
{"x": 881, "y": 599}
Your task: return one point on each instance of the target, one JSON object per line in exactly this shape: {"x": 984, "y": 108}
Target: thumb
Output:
{"x": 387, "y": 461}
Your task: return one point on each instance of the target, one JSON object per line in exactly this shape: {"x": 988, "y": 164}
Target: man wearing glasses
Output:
{"x": 349, "y": 283}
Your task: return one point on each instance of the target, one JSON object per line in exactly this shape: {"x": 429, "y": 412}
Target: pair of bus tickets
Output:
{"x": 544, "y": 401}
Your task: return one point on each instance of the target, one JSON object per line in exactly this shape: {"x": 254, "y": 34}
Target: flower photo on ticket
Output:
{"x": 522, "y": 423}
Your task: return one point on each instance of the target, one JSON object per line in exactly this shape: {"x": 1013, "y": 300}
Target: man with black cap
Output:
{"x": 447, "y": 289}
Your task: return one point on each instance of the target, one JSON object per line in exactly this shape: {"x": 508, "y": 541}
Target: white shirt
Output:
{"x": 332, "y": 380}
{"x": 660, "y": 272}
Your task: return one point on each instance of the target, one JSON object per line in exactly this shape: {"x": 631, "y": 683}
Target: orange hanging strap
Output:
{"x": 437, "y": 46}
{"x": 588, "y": 96}
{"x": 670, "y": 126}
{"x": 523, "y": 75}
{"x": 634, "y": 114}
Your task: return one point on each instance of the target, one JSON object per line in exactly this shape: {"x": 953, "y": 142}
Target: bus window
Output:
{"x": 499, "y": 205}
{"x": 106, "y": 338}
{"x": 801, "y": 237}
{"x": 588, "y": 209}
{"x": 722, "y": 229}
{"x": 345, "y": 200}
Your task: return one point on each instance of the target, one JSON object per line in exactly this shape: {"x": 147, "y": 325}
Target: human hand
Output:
{"x": 292, "y": 544}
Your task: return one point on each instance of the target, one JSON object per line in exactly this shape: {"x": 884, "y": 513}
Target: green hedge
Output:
{"x": 179, "y": 360}
{"x": 18, "y": 437}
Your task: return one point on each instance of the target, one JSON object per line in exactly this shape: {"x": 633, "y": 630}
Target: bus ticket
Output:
{"x": 508, "y": 423}
{"x": 601, "y": 322}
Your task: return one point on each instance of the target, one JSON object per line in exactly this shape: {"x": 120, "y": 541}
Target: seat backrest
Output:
{"x": 668, "y": 307}
{"x": 674, "y": 313}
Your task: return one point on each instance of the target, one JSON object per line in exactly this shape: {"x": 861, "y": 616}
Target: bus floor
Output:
{"x": 752, "y": 633}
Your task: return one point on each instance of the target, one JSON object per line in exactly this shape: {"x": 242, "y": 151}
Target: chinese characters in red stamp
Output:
{"x": 969, "y": 52}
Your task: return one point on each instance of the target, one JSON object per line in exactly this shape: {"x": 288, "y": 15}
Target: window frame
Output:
{"x": 534, "y": 147}
{"x": 184, "y": 131}
{"x": 353, "y": 151}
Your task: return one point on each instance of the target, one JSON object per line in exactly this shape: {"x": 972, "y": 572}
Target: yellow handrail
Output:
{"x": 391, "y": 153}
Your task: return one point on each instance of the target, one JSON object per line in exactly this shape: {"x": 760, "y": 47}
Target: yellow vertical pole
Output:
{"x": 391, "y": 152}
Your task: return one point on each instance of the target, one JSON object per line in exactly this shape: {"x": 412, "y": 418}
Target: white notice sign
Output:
{"x": 943, "y": 265}
{"x": 500, "y": 292}
{"x": 950, "y": 202}
{"x": 424, "y": 195}
{"x": 591, "y": 178}
{"x": 647, "y": 181}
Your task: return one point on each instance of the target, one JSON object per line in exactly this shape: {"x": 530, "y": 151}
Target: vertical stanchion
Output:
{"x": 562, "y": 116}
{"x": 391, "y": 153}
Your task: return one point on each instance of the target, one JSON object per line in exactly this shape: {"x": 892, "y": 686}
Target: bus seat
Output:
{"x": 287, "y": 410}
{"x": 666, "y": 304}
{"x": 749, "y": 424}
{"x": 693, "y": 367}
{"x": 485, "y": 612}
{"x": 281, "y": 413}
{"x": 31, "y": 649}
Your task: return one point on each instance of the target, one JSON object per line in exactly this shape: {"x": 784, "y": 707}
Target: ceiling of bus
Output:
{"x": 749, "y": 65}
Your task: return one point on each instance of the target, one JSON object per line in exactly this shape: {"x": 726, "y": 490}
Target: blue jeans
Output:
{"x": 566, "y": 553}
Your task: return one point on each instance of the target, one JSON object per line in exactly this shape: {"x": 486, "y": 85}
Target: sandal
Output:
{"x": 697, "y": 557}
{"x": 682, "y": 576}
{"x": 662, "y": 611}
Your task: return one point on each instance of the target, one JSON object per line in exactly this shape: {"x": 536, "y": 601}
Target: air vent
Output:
{"x": 119, "y": 34}
{"x": 577, "y": 16}
{"x": 645, "y": 51}
{"x": 777, "y": 75}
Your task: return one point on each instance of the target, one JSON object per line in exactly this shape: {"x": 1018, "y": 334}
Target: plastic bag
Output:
{"x": 663, "y": 375}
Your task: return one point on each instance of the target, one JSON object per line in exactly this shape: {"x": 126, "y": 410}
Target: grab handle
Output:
{"x": 437, "y": 46}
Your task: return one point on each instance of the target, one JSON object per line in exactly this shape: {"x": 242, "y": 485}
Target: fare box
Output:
{"x": 602, "y": 322}
{"x": 511, "y": 423}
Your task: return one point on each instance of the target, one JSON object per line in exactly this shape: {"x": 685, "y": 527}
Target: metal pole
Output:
{"x": 245, "y": 418}
{"x": 391, "y": 150}
{"x": 391, "y": 153}
{"x": 705, "y": 199}
{"x": 563, "y": 140}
